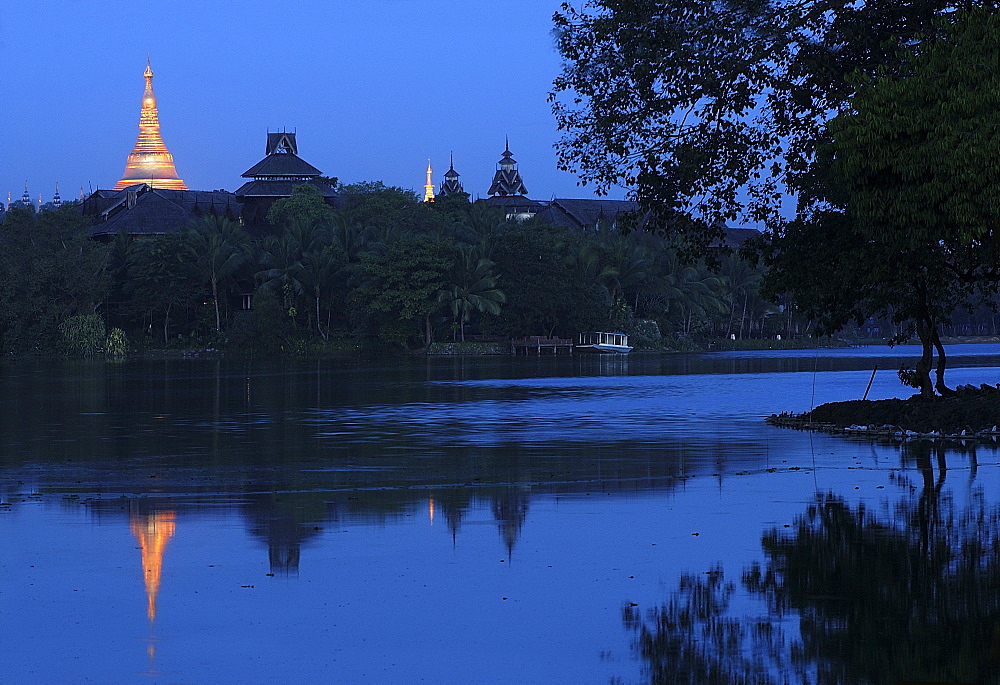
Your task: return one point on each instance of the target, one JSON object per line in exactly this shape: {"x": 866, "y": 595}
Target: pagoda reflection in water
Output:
{"x": 153, "y": 530}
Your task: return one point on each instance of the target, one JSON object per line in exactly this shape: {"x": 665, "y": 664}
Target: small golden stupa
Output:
{"x": 150, "y": 162}
{"x": 429, "y": 187}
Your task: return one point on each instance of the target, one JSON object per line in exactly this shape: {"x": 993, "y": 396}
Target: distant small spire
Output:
{"x": 429, "y": 186}
{"x": 56, "y": 200}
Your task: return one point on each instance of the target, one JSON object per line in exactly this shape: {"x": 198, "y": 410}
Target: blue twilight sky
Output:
{"x": 372, "y": 88}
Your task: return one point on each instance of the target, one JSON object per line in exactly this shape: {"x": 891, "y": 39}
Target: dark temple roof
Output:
{"x": 735, "y": 237}
{"x": 141, "y": 210}
{"x": 283, "y": 141}
{"x": 285, "y": 165}
{"x": 599, "y": 214}
{"x": 514, "y": 204}
{"x": 275, "y": 188}
{"x": 586, "y": 215}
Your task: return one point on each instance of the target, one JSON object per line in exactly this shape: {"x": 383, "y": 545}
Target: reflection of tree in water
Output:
{"x": 691, "y": 640}
{"x": 911, "y": 594}
{"x": 510, "y": 507}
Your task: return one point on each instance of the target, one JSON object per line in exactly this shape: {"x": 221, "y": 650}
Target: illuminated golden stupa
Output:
{"x": 150, "y": 161}
{"x": 429, "y": 187}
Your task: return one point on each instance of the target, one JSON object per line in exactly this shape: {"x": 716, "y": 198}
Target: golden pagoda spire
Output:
{"x": 428, "y": 187}
{"x": 150, "y": 161}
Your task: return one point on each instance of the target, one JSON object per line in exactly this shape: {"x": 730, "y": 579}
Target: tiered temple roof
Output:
{"x": 508, "y": 192}
{"x": 507, "y": 179}
{"x": 150, "y": 162}
{"x": 451, "y": 185}
{"x": 274, "y": 177}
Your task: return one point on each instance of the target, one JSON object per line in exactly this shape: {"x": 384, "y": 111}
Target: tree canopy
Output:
{"x": 50, "y": 270}
{"x": 900, "y": 217}
{"x": 710, "y": 111}
{"x": 879, "y": 118}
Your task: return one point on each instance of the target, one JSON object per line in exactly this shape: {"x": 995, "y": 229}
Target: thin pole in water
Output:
{"x": 870, "y": 383}
{"x": 812, "y": 400}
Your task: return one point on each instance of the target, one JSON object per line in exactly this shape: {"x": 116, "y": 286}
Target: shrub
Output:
{"x": 82, "y": 334}
{"x": 116, "y": 344}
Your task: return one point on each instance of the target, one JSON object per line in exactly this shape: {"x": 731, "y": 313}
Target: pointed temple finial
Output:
{"x": 507, "y": 179}
{"x": 451, "y": 183}
{"x": 428, "y": 187}
{"x": 56, "y": 200}
{"x": 150, "y": 162}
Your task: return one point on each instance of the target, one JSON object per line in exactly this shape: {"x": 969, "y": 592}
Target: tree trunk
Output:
{"x": 743, "y": 316}
{"x": 166, "y": 321}
{"x": 427, "y": 331}
{"x": 215, "y": 300}
{"x": 319, "y": 326}
{"x": 923, "y": 369}
{"x": 941, "y": 363}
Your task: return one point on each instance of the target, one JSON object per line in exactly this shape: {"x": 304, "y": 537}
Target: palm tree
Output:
{"x": 481, "y": 226}
{"x": 627, "y": 267}
{"x": 282, "y": 272}
{"x": 217, "y": 247}
{"x": 692, "y": 291}
{"x": 741, "y": 282}
{"x": 352, "y": 239}
{"x": 308, "y": 234}
{"x": 584, "y": 259}
{"x": 319, "y": 267}
{"x": 473, "y": 287}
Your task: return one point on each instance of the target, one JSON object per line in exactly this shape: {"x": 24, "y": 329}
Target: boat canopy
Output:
{"x": 603, "y": 338}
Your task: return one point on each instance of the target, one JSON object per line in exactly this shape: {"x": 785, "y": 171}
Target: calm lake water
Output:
{"x": 487, "y": 520}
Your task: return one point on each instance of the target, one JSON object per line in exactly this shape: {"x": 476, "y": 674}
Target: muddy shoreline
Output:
{"x": 969, "y": 413}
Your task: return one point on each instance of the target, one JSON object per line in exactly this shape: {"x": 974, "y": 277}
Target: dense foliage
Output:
{"x": 878, "y": 118}
{"x": 50, "y": 270}
{"x": 711, "y": 108}
{"x": 384, "y": 271}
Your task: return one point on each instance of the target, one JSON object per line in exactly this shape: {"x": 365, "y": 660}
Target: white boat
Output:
{"x": 603, "y": 343}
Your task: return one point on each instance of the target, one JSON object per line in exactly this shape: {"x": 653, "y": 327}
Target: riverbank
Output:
{"x": 347, "y": 346}
{"x": 970, "y": 412}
